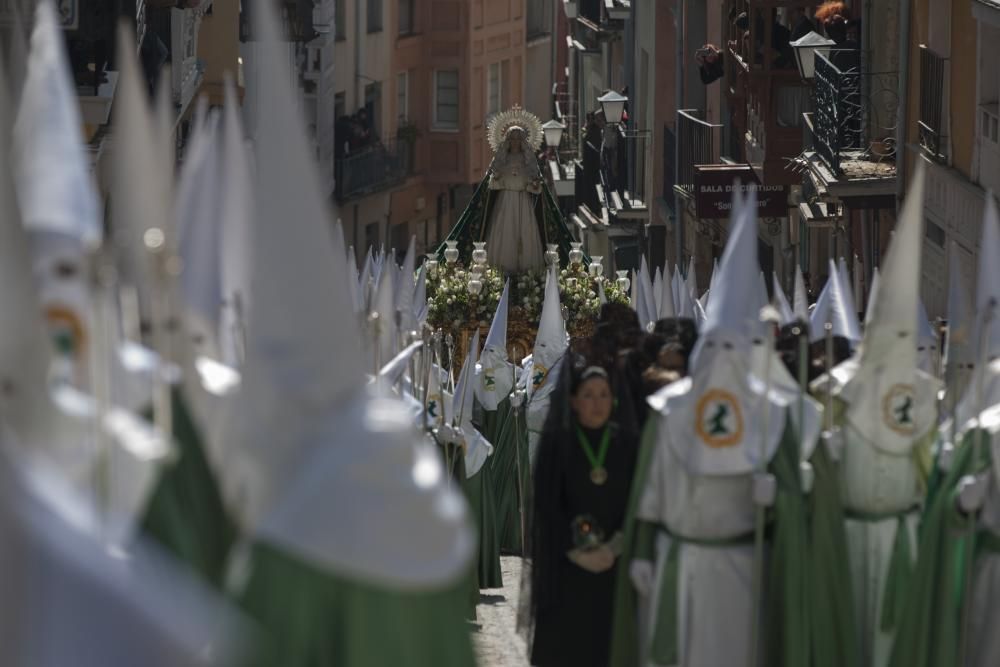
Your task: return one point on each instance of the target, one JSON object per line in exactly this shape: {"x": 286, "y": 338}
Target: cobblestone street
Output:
{"x": 497, "y": 641}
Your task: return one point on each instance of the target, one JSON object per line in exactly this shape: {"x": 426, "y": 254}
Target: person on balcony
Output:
{"x": 512, "y": 237}
{"x": 835, "y": 17}
{"x": 710, "y": 66}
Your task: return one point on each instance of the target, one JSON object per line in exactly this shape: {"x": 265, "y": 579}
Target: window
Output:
{"x": 493, "y": 89}
{"x": 340, "y": 20}
{"x": 374, "y": 15}
{"x": 406, "y": 17}
{"x": 446, "y": 99}
{"x": 403, "y": 98}
{"x": 539, "y": 18}
{"x": 935, "y": 233}
{"x": 932, "y": 93}
{"x": 990, "y": 128}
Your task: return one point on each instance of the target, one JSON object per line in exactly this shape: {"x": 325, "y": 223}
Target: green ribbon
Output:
{"x": 664, "y": 649}
{"x": 595, "y": 461}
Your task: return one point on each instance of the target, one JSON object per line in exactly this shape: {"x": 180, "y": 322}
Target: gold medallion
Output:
{"x": 599, "y": 475}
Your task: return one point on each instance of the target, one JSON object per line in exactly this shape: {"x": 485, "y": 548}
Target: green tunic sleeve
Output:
{"x": 311, "y": 618}
{"x": 832, "y": 630}
{"x": 186, "y": 514}
{"x": 786, "y": 628}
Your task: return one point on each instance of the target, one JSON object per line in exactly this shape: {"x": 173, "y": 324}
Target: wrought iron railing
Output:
{"x": 932, "y": 91}
{"x": 696, "y": 138}
{"x": 854, "y": 117}
{"x": 373, "y": 169}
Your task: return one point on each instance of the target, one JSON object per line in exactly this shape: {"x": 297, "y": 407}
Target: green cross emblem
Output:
{"x": 903, "y": 411}
{"x": 538, "y": 378}
{"x": 717, "y": 423}
{"x": 432, "y": 408}
{"x": 490, "y": 381}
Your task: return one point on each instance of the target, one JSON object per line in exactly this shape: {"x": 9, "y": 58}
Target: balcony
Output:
{"x": 932, "y": 92}
{"x": 854, "y": 121}
{"x": 374, "y": 169}
{"x": 696, "y": 146}
{"x": 186, "y": 68}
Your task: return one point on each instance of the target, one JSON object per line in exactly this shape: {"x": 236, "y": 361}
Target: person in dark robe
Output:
{"x": 582, "y": 481}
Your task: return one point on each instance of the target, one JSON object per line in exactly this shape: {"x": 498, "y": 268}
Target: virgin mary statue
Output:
{"x": 512, "y": 210}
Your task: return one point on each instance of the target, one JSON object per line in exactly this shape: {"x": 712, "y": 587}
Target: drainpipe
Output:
{"x": 902, "y": 116}
{"x": 678, "y": 104}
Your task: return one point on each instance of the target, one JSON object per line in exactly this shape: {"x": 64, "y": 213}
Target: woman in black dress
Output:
{"x": 583, "y": 475}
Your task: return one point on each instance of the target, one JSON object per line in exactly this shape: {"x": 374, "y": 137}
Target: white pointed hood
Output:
{"x": 478, "y": 448}
{"x": 831, "y": 307}
{"x": 847, "y": 287}
{"x": 25, "y": 353}
{"x": 684, "y": 305}
{"x": 420, "y": 298}
{"x": 800, "y": 297}
{"x": 385, "y": 306}
{"x": 658, "y": 290}
{"x": 236, "y": 209}
{"x": 199, "y": 234}
{"x": 354, "y": 280}
{"x": 691, "y": 280}
{"x": 711, "y": 283}
{"x": 667, "y": 306}
{"x": 550, "y": 342}
{"x": 55, "y": 188}
{"x": 781, "y": 302}
{"x": 889, "y": 401}
{"x": 714, "y": 426}
{"x": 495, "y": 375}
{"x": 406, "y": 286}
{"x": 869, "y": 311}
{"x": 959, "y": 352}
{"x": 648, "y": 295}
{"x": 302, "y": 409}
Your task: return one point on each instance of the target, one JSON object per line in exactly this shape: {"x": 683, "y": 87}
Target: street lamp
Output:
{"x": 553, "y": 131}
{"x": 613, "y": 105}
{"x": 806, "y": 49}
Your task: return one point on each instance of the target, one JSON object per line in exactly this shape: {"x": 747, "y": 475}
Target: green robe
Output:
{"x": 482, "y": 505}
{"x": 186, "y": 514}
{"x": 807, "y": 619}
{"x": 507, "y": 430}
{"x": 928, "y": 634}
{"x": 311, "y": 618}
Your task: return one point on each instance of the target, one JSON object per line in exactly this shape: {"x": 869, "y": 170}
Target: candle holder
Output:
{"x": 475, "y": 285}
{"x": 479, "y": 254}
{"x": 451, "y": 251}
{"x": 596, "y": 268}
{"x": 432, "y": 267}
{"x": 552, "y": 255}
{"x": 623, "y": 282}
{"x": 576, "y": 252}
